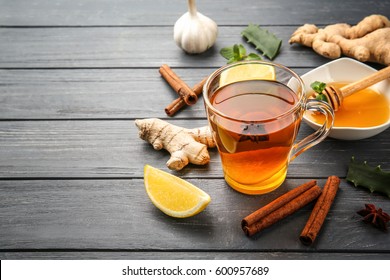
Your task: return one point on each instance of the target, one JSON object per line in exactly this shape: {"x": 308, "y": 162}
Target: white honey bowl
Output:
{"x": 346, "y": 70}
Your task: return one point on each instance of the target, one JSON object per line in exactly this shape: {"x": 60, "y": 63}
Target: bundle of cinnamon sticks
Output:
{"x": 187, "y": 95}
{"x": 291, "y": 202}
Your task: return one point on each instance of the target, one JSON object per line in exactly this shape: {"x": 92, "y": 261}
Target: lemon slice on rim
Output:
{"x": 173, "y": 195}
{"x": 245, "y": 72}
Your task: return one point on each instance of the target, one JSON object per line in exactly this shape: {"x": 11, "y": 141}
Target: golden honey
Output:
{"x": 365, "y": 108}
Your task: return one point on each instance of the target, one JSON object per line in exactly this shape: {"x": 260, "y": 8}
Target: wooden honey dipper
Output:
{"x": 335, "y": 96}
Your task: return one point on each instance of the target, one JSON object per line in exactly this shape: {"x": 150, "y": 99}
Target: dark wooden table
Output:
{"x": 74, "y": 75}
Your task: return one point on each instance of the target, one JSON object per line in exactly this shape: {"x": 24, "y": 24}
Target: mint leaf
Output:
{"x": 241, "y": 51}
{"x": 237, "y": 53}
{"x": 227, "y": 52}
{"x": 318, "y": 86}
{"x": 253, "y": 56}
{"x": 321, "y": 97}
{"x": 231, "y": 60}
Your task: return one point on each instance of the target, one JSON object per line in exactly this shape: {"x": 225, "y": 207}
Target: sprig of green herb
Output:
{"x": 319, "y": 87}
{"x": 237, "y": 53}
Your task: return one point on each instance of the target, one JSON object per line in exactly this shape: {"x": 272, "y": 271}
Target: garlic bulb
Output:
{"x": 194, "y": 32}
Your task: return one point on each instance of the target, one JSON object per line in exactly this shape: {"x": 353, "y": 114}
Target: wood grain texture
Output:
{"x": 87, "y": 149}
{"x": 162, "y": 12}
{"x": 118, "y": 215}
{"x": 94, "y": 93}
{"x": 128, "y": 47}
{"x": 73, "y": 78}
{"x": 175, "y": 255}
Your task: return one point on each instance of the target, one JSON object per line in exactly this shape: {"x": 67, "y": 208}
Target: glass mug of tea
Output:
{"x": 254, "y": 109}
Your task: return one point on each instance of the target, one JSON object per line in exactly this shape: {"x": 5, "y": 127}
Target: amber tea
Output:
{"x": 254, "y": 110}
{"x": 253, "y": 151}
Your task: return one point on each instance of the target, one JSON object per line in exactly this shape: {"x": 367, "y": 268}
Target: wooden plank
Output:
{"x": 161, "y": 12}
{"x": 89, "y": 149}
{"x": 128, "y": 47}
{"x": 94, "y": 93}
{"x": 117, "y": 215}
{"x": 72, "y": 164}
{"x": 175, "y": 255}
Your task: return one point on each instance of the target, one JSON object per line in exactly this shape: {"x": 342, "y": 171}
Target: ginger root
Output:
{"x": 369, "y": 40}
{"x": 184, "y": 145}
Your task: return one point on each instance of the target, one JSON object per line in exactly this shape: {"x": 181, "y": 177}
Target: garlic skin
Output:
{"x": 194, "y": 32}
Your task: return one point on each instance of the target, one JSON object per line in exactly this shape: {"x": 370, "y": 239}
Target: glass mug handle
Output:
{"x": 319, "y": 135}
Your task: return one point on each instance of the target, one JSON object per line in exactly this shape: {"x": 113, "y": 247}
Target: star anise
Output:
{"x": 374, "y": 216}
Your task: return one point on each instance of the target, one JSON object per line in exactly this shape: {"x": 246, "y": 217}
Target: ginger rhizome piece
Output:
{"x": 184, "y": 145}
{"x": 369, "y": 40}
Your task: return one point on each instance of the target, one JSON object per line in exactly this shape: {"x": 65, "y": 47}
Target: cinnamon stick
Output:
{"x": 280, "y": 208}
{"x": 184, "y": 91}
{"x": 320, "y": 210}
{"x": 179, "y": 103}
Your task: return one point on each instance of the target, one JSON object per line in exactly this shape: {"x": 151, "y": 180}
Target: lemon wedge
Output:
{"x": 228, "y": 142}
{"x": 173, "y": 195}
{"x": 245, "y": 72}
